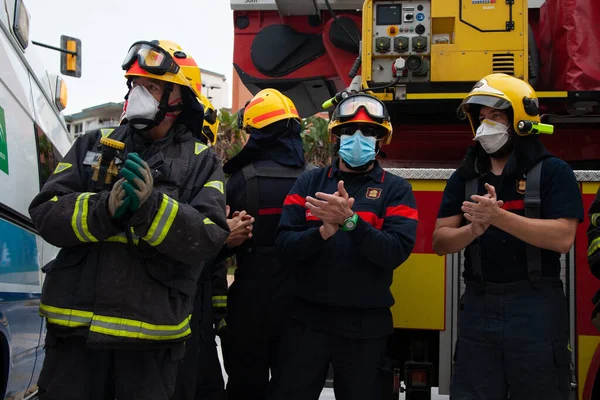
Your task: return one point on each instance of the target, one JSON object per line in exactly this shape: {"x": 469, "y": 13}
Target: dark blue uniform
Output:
{"x": 514, "y": 337}
{"x": 257, "y": 299}
{"x": 341, "y": 285}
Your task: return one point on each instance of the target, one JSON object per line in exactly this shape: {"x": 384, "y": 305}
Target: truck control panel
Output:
{"x": 401, "y": 41}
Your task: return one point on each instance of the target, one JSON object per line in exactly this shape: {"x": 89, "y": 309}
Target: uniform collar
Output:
{"x": 377, "y": 174}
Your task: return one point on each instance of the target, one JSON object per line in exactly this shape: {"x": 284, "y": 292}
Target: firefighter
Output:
{"x": 261, "y": 176}
{"x": 200, "y": 376}
{"x": 514, "y": 208}
{"x": 593, "y": 234}
{"x": 118, "y": 297}
{"x": 343, "y": 231}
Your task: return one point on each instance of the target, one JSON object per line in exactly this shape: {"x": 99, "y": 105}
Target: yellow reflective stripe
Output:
{"x": 62, "y": 166}
{"x": 79, "y": 220}
{"x": 162, "y": 222}
{"x": 200, "y": 147}
{"x": 594, "y": 219}
{"x": 207, "y": 221}
{"x": 65, "y": 316}
{"x": 595, "y": 245}
{"x": 122, "y": 238}
{"x": 123, "y": 327}
{"x": 105, "y": 132}
{"x": 219, "y": 301}
{"x": 114, "y": 326}
{"x": 222, "y": 323}
{"x": 216, "y": 185}
{"x": 55, "y": 198}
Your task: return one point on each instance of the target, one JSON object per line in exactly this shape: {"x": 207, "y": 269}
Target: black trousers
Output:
{"x": 199, "y": 376}
{"x": 257, "y": 306}
{"x": 305, "y": 355}
{"x": 513, "y": 339}
{"x": 73, "y": 371}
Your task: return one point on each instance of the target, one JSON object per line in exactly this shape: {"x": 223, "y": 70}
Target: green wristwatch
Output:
{"x": 350, "y": 223}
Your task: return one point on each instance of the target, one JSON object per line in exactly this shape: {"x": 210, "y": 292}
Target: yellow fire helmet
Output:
{"x": 163, "y": 60}
{"x": 361, "y": 108}
{"x": 210, "y": 127}
{"x": 504, "y": 92}
{"x": 267, "y": 107}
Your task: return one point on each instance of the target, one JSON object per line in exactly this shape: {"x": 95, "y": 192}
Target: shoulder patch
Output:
{"x": 521, "y": 185}
{"x": 200, "y": 147}
{"x": 62, "y": 166}
{"x": 105, "y": 132}
{"x": 373, "y": 193}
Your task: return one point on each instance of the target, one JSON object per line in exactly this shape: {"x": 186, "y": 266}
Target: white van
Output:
{"x": 33, "y": 139}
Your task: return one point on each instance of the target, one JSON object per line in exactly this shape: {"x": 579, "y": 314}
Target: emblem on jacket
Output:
{"x": 373, "y": 193}
{"x": 521, "y": 185}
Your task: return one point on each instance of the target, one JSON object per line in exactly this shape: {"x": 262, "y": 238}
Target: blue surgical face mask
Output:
{"x": 358, "y": 149}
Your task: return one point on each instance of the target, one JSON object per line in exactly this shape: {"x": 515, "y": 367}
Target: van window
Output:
{"x": 48, "y": 156}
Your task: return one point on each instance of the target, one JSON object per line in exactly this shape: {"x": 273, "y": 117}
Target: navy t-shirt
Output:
{"x": 503, "y": 255}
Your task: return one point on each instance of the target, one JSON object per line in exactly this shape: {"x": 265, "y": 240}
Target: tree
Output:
{"x": 230, "y": 139}
{"x": 315, "y": 138}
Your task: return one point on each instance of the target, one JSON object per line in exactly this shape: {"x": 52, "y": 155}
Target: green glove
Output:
{"x": 131, "y": 171}
{"x": 136, "y": 158}
{"x": 134, "y": 203}
{"x": 121, "y": 210}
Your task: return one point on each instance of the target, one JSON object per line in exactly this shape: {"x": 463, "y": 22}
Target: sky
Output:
{"x": 107, "y": 28}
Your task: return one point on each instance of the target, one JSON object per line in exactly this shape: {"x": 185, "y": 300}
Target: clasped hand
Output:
{"x": 133, "y": 189}
{"x": 332, "y": 209}
{"x": 240, "y": 227}
{"x": 484, "y": 212}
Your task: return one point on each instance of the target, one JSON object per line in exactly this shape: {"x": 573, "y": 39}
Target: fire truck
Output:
{"x": 421, "y": 57}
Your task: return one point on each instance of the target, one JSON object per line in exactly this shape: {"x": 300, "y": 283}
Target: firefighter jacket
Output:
{"x": 135, "y": 288}
{"x": 593, "y": 234}
{"x": 351, "y": 269}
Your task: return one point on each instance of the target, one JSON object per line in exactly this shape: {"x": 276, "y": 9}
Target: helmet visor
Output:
{"x": 482, "y": 100}
{"x": 151, "y": 58}
{"x": 372, "y": 106}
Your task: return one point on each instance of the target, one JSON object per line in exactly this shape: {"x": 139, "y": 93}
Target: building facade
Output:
{"x": 216, "y": 88}
{"x": 100, "y": 116}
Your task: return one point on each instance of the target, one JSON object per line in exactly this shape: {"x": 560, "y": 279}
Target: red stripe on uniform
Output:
{"x": 268, "y": 115}
{"x": 269, "y": 211}
{"x": 514, "y": 205}
{"x": 310, "y": 216}
{"x": 294, "y": 199}
{"x": 371, "y": 218}
{"x": 402, "y": 211}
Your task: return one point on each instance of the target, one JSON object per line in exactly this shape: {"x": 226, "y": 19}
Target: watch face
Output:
{"x": 350, "y": 224}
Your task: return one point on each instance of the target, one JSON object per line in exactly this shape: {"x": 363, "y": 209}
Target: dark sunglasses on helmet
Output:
{"x": 150, "y": 58}
{"x": 375, "y": 131}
